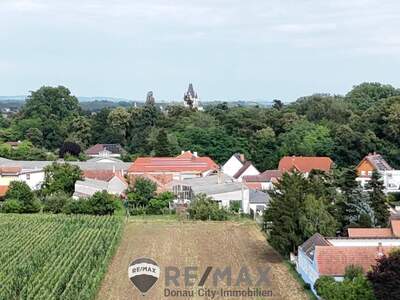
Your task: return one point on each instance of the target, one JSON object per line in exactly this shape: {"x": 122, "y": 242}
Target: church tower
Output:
{"x": 190, "y": 98}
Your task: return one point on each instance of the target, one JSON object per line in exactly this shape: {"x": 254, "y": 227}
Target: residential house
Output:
{"x": 185, "y": 165}
{"x": 32, "y": 177}
{"x": 237, "y": 167}
{"x": 264, "y": 181}
{"x": 115, "y": 185}
{"x": 320, "y": 256}
{"x": 104, "y": 150}
{"x": 32, "y": 172}
{"x": 304, "y": 164}
{"x": 223, "y": 189}
{"x": 375, "y": 162}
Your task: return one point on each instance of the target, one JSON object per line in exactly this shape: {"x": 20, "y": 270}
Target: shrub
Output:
{"x": 158, "y": 204}
{"x": 101, "y": 203}
{"x": 21, "y": 192}
{"x": 385, "y": 276}
{"x": 235, "y": 206}
{"x": 205, "y": 208}
{"x": 12, "y": 206}
{"x": 55, "y": 203}
{"x": 354, "y": 286}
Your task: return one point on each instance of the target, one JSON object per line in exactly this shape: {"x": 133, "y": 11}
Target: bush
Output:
{"x": 21, "y": 192}
{"x": 354, "y": 286}
{"x": 159, "y": 204}
{"x": 205, "y": 208}
{"x": 12, "y": 206}
{"x": 235, "y": 206}
{"x": 55, "y": 203}
{"x": 101, "y": 203}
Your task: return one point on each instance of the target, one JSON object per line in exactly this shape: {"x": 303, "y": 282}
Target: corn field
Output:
{"x": 55, "y": 256}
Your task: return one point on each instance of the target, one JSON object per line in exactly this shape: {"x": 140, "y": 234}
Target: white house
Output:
{"x": 104, "y": 150}
{"x": 86, "y": 188}
{"x": 237, "y": 167}
{"x": 32, "y": 177}
{"x": 224, "y": 190}
{"x": 375, "y": 162}
{"x": 320, "y": 256}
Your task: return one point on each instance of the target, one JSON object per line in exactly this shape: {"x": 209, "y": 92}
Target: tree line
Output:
{"x": 345, "y": 128}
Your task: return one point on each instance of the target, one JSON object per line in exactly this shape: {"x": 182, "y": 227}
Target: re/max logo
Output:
{"x": 188, "y": 276}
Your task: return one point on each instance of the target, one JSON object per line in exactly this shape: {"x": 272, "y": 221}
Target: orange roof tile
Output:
{"x": 332, "y": 261}
{"x": 3, "y": 190}
{"x": 395, "y": 224}
{"x": 172, "y": 164}
{"x": 370, "y": 232}
{"x": 305, "y": 164}
{"x": 104, "y": 175}
{"x": 10, "y": 170}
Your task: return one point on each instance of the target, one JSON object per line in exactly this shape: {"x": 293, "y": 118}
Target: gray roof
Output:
{"x": 211, "y": 185}
{"x": 99, "y": 184}
{"x": 308, "y": 246}
{"x": 258, "y": 197}
{"x": 83, "y": 165}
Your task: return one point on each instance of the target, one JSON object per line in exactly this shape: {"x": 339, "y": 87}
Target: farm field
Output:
{"x": 202, "y": 244}
{"x": 55, "y": 256}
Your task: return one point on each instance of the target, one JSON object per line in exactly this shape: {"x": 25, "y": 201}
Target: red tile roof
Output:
{"x": 395, "y": 224}
{"x": 104, "y": 175}
{"x": 254, "y": 185}
{"x": 10, "y": 170}
{"x": 194, "y": 164}
{"x": 332, "y": 261}
{"x": 370, "y": 232}
{"x": 265, "y": 176}
{"x": 377, "y": 161}
{"x": 3, "y": 190}
{"x": 304, "y": 164}
{"x": 393, "y": 231}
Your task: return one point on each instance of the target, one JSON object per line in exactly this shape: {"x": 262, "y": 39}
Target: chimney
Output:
{"x": 380, "y": 250}
{"x": 241, "y": 155}
{"x": 195, "y": 153}
{"x": 183, "y": 151}
{"x": 219, "y": 176}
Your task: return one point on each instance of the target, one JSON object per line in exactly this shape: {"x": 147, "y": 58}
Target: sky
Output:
{"x": 228, "y": 49}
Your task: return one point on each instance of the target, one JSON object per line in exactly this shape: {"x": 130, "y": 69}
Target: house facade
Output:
{"x": 116, "y": 185}
{"x": 264, "y": 181}
{"x": 224, "y": 190}
{"x": 375, "y": 162}
{"x": 238, "y": 167}
{"x": 321, "y": 256}
{"x": 32, "y": 177}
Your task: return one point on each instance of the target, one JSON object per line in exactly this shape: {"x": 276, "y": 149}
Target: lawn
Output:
{"x": 55, "y": 256}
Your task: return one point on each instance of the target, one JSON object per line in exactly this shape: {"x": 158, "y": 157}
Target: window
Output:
{"x": 28, "y": 176}
{"x": 369, "y": 173}
{"x": 362, "y": 173}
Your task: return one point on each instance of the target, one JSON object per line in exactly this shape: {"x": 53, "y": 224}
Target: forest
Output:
{"x": 345, "y": 128}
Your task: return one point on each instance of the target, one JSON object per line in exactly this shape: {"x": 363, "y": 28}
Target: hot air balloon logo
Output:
{"x": 143, "y": 272}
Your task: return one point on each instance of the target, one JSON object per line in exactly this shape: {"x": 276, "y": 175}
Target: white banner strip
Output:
{"x": 143, "y": 269}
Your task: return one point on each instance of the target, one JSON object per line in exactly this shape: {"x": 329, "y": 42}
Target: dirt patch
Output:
{"x": 200, "y": 244}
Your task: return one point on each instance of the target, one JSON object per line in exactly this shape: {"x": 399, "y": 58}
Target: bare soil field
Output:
{"x": 199, "y": 244}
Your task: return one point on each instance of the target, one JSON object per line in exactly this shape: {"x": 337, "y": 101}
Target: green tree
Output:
{"x": 385, "y": 276}
{"x": 282, "y": 218}
{"x": 205, "y": 208}
{"x": 61, "y": 177}
{"x": 20, "y": 192}
{"x": 316, "y": 217}
{"x": 354, "y": 286}
{"x": 160, "y": 203}
{"x": 143, "y": 191}
{"x": 378, "y": 201}
{"x": 162, "y": 147}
